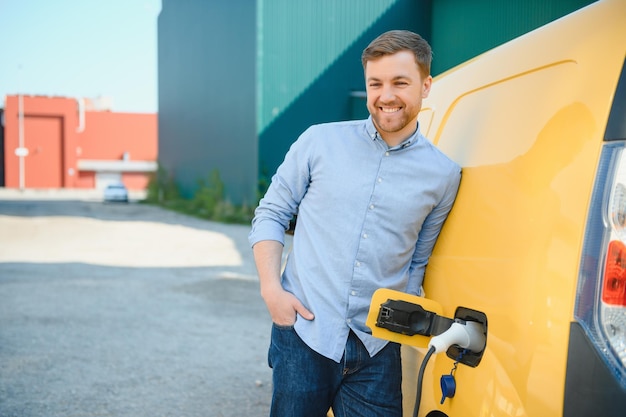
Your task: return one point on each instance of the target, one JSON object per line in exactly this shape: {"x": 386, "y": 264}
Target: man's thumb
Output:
{"x": 304, "y": 312}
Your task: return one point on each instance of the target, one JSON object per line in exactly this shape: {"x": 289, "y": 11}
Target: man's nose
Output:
{"x": 387, "y": 94}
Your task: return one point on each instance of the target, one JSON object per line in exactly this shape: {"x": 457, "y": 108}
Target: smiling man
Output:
{"x": 371, "y": 197}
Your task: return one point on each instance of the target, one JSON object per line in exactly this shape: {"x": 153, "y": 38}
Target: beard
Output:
{"x": 390, "y": 124}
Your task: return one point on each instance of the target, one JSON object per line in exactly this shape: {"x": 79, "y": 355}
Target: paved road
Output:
{"x": 127, "y": 310}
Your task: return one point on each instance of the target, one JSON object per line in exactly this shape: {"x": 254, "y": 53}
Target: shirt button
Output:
{"x": 352, "y": 292}
{"x": 349, "y": 320}
{"x": 357, "y": 264}
{"x": 380, "y": 180}
{"x": 364, "y": 235}
{"x": 386, "y": 153}
{"x": 371, "y": 207}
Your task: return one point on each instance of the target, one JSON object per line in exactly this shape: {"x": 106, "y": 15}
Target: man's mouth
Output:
{"x": 389, "y": 109}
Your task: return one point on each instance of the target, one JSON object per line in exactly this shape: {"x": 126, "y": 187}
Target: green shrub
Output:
{"x": 208, "y": 201}
{"x": 162, "y": 187}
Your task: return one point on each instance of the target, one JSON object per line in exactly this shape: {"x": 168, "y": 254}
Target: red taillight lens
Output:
{"x": 614, "y": 288}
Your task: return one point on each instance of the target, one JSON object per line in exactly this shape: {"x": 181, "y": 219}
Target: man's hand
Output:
{"x": 283, "y": 307}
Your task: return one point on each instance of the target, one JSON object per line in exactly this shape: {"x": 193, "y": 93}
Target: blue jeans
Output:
{"x": 307, "y": 384}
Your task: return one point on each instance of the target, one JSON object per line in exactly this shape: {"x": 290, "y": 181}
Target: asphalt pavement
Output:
{"x": 91, "y": 326}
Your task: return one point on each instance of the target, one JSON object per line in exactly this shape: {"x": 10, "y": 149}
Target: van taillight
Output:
{"x": 614, "y": 288}
{"x": 601, "y": 294}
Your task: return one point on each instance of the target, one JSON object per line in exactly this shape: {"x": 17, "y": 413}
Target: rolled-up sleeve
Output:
{"x": 287, "y": 188}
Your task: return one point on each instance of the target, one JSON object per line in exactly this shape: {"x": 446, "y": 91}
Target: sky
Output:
{"x": 81, "y": 49}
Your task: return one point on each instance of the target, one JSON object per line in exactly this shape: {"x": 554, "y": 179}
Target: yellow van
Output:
{"x": 536, "y": 239}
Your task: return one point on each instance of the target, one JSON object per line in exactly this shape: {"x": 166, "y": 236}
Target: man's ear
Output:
{"x": 428, "y": 82}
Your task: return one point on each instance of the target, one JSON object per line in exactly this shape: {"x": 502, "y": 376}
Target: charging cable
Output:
{"x": 465, "y": 334}
{"x": 420, "y": 379}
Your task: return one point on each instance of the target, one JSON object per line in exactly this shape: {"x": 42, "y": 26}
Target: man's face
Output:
{"x": 395, "y": 89}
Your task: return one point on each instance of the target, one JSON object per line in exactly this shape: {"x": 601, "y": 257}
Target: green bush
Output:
{"x": 208, "y": 201}
{"x": 162, "y": 187}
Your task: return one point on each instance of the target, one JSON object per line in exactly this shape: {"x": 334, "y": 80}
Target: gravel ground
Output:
{"x": 127, "y": 310}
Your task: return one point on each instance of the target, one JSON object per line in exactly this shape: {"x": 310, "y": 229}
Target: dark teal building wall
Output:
{"x": 297, "y": 41}
{"x": 206, "y": 87}
{"x": 464, "y": 29}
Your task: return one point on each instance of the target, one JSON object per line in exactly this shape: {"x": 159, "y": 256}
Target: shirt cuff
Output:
{"x": 266, "y": 230}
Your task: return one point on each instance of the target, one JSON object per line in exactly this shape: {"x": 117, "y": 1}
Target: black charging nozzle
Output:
{"x": 407, "y": 318}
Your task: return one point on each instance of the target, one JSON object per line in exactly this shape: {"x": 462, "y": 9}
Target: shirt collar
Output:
{"x": 370, "y": 128}
{"x": 373, "y": 134}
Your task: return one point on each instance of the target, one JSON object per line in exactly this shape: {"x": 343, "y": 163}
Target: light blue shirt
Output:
{"x": 368, "y": 217}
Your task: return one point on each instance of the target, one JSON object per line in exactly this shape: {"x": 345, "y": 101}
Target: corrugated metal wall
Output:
{"x": 463, "y": 29}
{"x": 298, "y": 40}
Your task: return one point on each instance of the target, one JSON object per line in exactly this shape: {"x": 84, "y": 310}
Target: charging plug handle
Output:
{"x": 468, "y": 335}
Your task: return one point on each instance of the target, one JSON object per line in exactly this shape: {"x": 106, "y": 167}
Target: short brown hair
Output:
{"x": 400, "y": 40}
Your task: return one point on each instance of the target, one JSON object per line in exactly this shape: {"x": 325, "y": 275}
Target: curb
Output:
{"x": 61, "y": 194}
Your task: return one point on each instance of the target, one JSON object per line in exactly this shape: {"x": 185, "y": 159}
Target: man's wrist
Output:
{"x": 269, "y": 290}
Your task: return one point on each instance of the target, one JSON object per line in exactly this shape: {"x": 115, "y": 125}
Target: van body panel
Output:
{"x": 526, "y": 122}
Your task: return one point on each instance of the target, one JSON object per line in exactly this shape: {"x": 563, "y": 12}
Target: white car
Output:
{"x": 116, "y": 192}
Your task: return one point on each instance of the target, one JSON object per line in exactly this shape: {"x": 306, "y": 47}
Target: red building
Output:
{"x": 58, "y": 142}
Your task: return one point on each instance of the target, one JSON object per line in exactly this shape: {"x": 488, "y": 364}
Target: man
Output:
{"x": 371, "y": 197}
